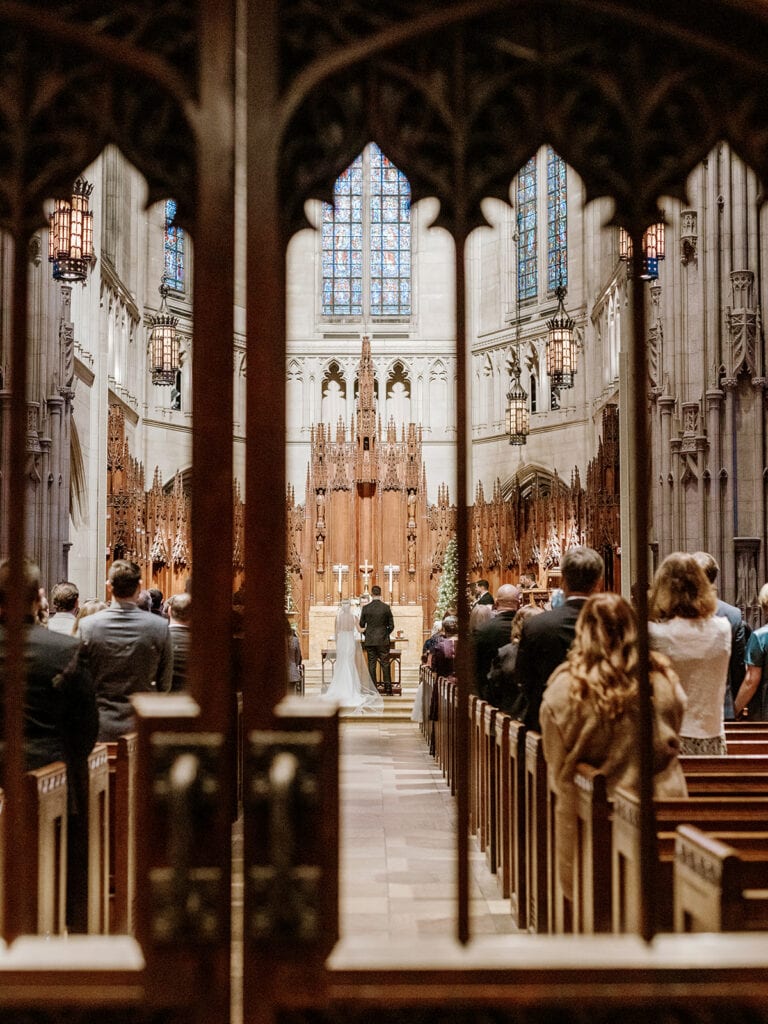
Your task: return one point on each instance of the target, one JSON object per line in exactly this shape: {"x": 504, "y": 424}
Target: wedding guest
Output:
{"x": 65, "y": 598}
{"x": 589, "y": 713}
{"x": 60, "y": 724}
{"x": 684, "y": 626}
{"x": 294, "y": 658}
{"x": 87, "y": 608}
{"x": 754, "y": 685}
{"x": 442, "y": 657}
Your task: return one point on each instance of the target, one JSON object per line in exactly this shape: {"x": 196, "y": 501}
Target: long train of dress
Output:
{"x": 351, "y": 687}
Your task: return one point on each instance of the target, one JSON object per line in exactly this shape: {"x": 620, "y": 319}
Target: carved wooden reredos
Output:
{"x": 365, "y": 509}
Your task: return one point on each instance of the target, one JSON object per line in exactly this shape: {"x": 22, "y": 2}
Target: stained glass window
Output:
{"x": 366, "y": 240}
{"x": 390, "y": 238}
{"x": 527, "y": 255}
{"x": 173, "y": 249}
{"x": 557, "y": 239}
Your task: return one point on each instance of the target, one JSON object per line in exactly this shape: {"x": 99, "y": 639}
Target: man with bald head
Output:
{"x": 494, "y": 634}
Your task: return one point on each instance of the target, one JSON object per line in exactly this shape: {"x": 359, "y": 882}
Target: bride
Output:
{"x": 351, "y": 686}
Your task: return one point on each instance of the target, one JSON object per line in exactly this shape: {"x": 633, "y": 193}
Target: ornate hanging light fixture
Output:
{"x": 561, "y": 345}
{"x": 164, "y": 342}
{"x": 654, "y": 249}
{"x": 518, "y": 415}
{"x": 70, "y": 237}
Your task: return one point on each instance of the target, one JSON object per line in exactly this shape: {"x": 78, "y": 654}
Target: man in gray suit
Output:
{"x": 376, "y": 623}
{"x": 129, "y": 651}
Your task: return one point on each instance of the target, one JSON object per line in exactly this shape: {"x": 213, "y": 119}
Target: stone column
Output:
{"x": 666, "y": 404}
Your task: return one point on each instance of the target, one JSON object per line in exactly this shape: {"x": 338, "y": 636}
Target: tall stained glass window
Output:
{"x": 173, "y": 249}
{"x": 366, "y": 240}
{"x": 557, "y": 239}
{"x": 527, "y": 253}
{"x": 390, "y": 238}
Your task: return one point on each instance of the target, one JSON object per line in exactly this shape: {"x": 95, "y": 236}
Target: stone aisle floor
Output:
{"x": 398, "y": 845}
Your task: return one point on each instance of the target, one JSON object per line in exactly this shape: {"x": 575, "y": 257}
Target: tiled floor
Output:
{"x": 398, "y": 846}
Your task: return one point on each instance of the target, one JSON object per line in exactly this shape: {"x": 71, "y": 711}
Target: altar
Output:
{"x": 408, "y": 635}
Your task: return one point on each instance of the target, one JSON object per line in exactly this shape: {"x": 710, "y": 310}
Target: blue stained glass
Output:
{"x": 390, "y": 208}
{"x": 391, "y": 267}
{"x": 357, "y": 217}
{"x": 557, "y": 220}
{"x": 173, "y": 249}
{"x": 527, "y": 250}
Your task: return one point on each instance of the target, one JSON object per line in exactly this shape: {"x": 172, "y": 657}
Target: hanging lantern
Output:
{"x": 518, "y": 416}
{"x": 561, "y": 345}
{"x": 654, "y": 242}
{"x": 70, "y": 236}
{"x": 164, "y": 342}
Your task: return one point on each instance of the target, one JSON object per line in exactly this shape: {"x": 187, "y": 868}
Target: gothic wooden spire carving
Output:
{"x": 366, "y": 469}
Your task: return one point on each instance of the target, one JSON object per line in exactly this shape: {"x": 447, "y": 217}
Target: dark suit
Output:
{"x": 181, "y": 639}
{"x": 492, "y": 635}
{"x": 544, "y": 644}
{"x": 377, "y": 623}
{"x": 60, "y": 724}
{"x": 736, "y": 666}
{"x": 485, "y": 598}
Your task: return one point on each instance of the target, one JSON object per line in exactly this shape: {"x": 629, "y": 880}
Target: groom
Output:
{"x": 376, "y": 623}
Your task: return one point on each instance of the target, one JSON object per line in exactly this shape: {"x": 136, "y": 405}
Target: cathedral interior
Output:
{"x": 291, "y": 302}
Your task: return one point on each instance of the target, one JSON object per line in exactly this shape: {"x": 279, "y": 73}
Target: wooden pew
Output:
{"x": 122, "y": 833}
{"x": 502, "y": 809}
{"x": 516, "y": 783}
{"x": 487, "y": 829}
{"x": 592, "y": 853}
{"x": 476, "y": 709}
{"x": 98, "y": 840}
{"x": 712, "y": 814}
{"x": 536, "y": 833}
{"x": 720, "y": 882}
{"x": 705, "y": 776}
{"x": 46, "y": 843}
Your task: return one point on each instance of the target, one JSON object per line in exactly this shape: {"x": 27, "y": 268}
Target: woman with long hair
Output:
{"x": 589, "y": 714}
{"x": 698, "y": 643}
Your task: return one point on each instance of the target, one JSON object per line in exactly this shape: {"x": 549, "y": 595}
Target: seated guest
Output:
{"x": 589, "y": 713}
{"x": 60, "y": 724}
{"x": 180, "y": 615}
{"x": 156, "y": 598}
{"x": 65, "y": 598}
{"x": 442, "y": 657}
{"x": 546, "y": 638}
{"x": 479, "y": 615}
{"x": 684, "y": 626}
{"x": 433, "y": 639}
{"x": 493, "y": 634}
{"x": 754, "y": 685}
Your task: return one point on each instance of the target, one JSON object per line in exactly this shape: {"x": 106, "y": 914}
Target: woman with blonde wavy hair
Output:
{"x": 684, "y": 626}
{"x": 589, "y": 714}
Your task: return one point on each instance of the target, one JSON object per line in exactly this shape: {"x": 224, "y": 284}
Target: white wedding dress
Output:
{"x": 351, "y": 687}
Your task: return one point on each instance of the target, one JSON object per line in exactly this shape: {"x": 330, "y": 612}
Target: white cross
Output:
{"x": 340, "y": 570}
{"x": 390, "y": 570}
{"x": 366, "y": 570}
